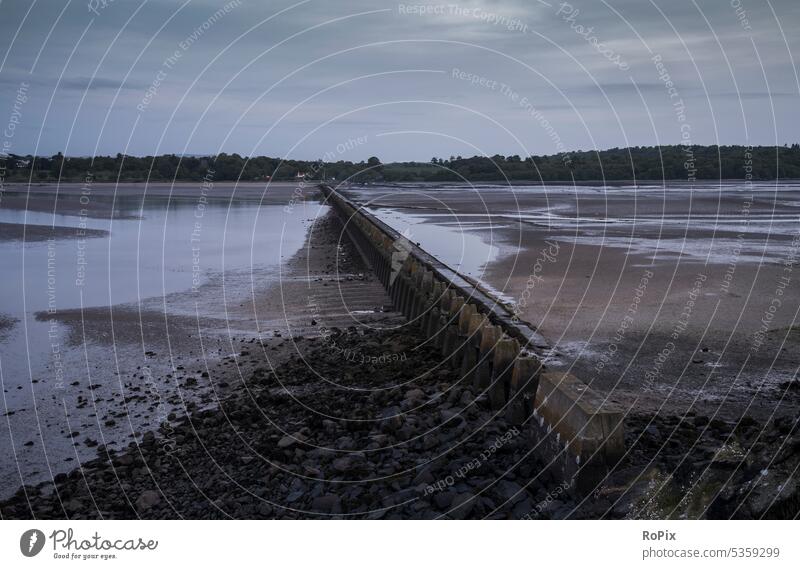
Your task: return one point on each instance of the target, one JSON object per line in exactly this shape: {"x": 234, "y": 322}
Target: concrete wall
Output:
{"x": 574, "y": 432}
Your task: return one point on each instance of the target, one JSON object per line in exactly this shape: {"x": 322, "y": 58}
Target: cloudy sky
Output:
{"x": 355, "y": 78}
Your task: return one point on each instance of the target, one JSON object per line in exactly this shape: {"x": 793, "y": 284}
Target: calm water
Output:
{"x": 173, "y": 257}
{"x": 160, "y": 247}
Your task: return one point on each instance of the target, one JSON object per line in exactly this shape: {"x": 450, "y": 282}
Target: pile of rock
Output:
{"x": 320, "y": 435}
{"x": 324, "y": 434}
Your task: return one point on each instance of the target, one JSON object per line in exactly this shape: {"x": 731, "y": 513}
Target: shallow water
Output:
{"x": 710, "y": 223}
{"x": 166, "y": 250}
{"x": 175, "y": 259}
{"x": 158, "y": 247}
{"x": 459, "y": 245}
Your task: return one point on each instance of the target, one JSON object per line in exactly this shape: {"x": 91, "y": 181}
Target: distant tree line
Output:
{"x": 168, "y": 167}
{"x": 622, "y": 164}
{"x": 627, "y": 164}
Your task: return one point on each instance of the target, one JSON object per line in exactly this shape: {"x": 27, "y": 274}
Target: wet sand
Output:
{"x": 617, "y": 296}
{"x": 323, "y": 435}
{"x": 110, "y": 373}
{"x": 247, "y": 411}
{"x": 119, "y": 371}
{"x": 6, "y": 324}
{"x": 33, "y": 233}
{"x": 122, "y": 201}
{"x": 336, "y": 416}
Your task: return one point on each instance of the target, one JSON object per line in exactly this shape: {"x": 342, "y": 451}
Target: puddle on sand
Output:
{"x": 460, "y": 246}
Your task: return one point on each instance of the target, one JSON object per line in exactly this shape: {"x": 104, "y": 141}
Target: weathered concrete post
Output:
{"x": 405, "y": 302}
{"x": 490, "y": 335}
{"x": 577, "y": 432}
{"x": 381, "y": 268}
{"x": 418, "y": 299}
{"x": 404, "y": 278}
{"x": 431, "y": 302}
{"x": 433, "y": 322}
{"x": 467, "y": 312}
{"x": 444, "y": 316}
{"x": 505, "y": 352}
{"x": 414, "y": 277}
{"x": 469, "y": 360}
{"x": 522, "y": 393}
{"x": 402, "y": 289}
{"x": 394, "y": 285}
{"x": 450, "y": 342}
{"x": 421, "y": 299}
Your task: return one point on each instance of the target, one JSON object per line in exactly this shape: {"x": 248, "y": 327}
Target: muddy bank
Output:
{"x": 668, "y": 301}
{"x": 6, "y": 324}
{"x": 118, "y": 371}
{"x": 104, "y": 200}
{"x": 33, "y": 233}
{"x": 695, "y": 466}
{"x": 368, "y": 425}
{"x": 329, "y": 406}
{"x": 111, "y": 373}
{"x": 131, "y": 325}
{"x": 661, "y": 337}
{"x": 328, "y": 436}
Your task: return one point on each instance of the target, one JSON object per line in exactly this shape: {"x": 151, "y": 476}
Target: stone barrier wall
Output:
{"x": 575, "y": 433}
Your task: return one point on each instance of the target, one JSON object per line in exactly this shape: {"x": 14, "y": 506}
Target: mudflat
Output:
{"x": 103, "y": 200}
{"x": 671, "y": 298}
{"x": 339, "y": 409}
{"x": 32, "y": 233}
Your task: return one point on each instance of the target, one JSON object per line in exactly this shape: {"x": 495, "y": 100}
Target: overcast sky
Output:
{"x": 369, "y": 77}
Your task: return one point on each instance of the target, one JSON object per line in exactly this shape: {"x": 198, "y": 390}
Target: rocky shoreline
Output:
{"x": 395, "y": 435}
{"x": 290, "y": 444}
{"x": 325, "y": 421}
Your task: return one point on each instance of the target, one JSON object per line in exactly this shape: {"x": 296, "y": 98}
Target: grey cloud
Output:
{"x": 561, "y": 59}
{"x": 98, "y": 83}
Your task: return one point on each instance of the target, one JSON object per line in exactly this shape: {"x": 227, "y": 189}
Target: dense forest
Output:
{"x": 685, "y": 163}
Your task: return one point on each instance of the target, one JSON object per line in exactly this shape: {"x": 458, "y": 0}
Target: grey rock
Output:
{"x": 147, "y": 500}
{"x": 462, "y": 505}
{"x": 329, "y": 504}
